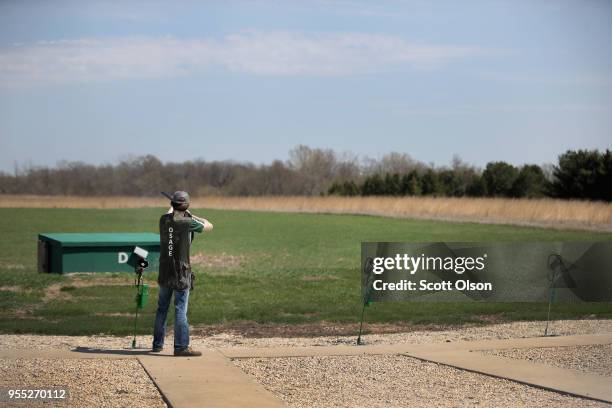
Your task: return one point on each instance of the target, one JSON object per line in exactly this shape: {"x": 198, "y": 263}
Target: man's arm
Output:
{"x": 200, "y": 224}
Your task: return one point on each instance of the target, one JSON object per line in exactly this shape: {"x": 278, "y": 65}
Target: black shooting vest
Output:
{"x": 175, "y": 239}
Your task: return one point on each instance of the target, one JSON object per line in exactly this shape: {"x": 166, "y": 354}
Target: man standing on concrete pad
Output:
{"x": 176, "y": 231}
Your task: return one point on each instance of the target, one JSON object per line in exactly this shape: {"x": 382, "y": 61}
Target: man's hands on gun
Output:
{"x": 207, "y": 224}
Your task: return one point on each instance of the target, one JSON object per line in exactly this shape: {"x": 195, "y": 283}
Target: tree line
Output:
{"x": 581, "y": 174}
{"x": 578, "y": 174}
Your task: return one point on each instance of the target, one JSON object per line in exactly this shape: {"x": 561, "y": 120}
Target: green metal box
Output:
{"x": 94, "y": 252}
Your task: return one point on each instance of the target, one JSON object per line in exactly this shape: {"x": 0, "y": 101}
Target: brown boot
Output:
{"x": 187, "y": 352}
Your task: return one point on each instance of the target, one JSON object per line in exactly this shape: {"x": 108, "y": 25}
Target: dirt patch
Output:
{"x": 306, "y": 315}
{"x": 59, "y": 292}
{"x": 222, "y": 260}
{"x": 115, "y": 314}
{"x": 71, "y": 282}
{"x": 265, "y": 330}
{"x": 14, "y": 289}
{"x": 63, "y": 292}
{"x": 54, "y": 292}
{"x": 492, "y": 318}
{"x": 83, "y": 281}
{"x": 25, "y": 313}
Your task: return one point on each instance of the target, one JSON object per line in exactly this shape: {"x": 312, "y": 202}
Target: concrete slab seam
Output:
{"x": 482, "y": 372}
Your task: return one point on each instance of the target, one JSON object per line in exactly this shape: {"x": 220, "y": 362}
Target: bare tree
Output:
{"x": 392, "y": 163}
{"x": 316, "y": 166}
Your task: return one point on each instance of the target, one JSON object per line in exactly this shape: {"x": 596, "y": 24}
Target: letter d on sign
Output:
{"x": 123, "y": 257}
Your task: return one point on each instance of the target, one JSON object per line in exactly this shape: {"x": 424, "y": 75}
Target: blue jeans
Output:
{"x": 181, "y": 327}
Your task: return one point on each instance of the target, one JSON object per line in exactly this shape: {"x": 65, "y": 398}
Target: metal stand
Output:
{"x": 551, "y": 295}
{"x": 139, "y": 294}
{"x": 365, "y": 304}
{"x": 557, "y": 269}
{"x": 366, "y": 295}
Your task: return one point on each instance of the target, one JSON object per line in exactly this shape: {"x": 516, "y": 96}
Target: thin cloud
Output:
{"x": 259, "y": 53}
{"x": 596, "y": 80}
{"x": 477, "y": 110}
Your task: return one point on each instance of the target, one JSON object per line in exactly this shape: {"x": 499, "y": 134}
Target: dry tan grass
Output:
{"x": 540, "y": 212}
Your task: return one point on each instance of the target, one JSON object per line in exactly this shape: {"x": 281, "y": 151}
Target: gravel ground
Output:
{"x": 595, "y": 359}
{"x": 494, "y": 331}
{"x": 90, "y": 383}
{"x": 393, "y": 381}
{"x": 372, "y": 381}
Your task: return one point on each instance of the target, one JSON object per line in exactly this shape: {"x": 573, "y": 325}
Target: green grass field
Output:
{"x": 285, "y": 268}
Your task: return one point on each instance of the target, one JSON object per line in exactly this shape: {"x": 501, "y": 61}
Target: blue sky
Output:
{"x": 97, "y": 81}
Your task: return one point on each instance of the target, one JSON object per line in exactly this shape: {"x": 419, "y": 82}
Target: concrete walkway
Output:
{"x": 207, "y": 381}
{"x": 407, "y": 348}
{"x": 213, "y": 381}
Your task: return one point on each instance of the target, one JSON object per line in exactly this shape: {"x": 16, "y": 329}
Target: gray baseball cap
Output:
{"x": 180, "y": 200}
{"x": 180, "y": 197}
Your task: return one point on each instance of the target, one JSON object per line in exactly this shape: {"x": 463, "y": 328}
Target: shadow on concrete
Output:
{"x": 122, "y": 352}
